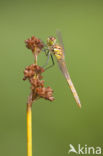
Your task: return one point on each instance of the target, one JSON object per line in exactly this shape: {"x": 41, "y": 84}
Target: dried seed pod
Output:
{"x": 33, "y": 70}
{"x": 34, "y": 44}
{"x": 33, "y": 74}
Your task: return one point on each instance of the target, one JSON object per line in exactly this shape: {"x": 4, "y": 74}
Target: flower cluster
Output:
{"x": 34, "y": 44}
{"x": 32, "y": 70}
{"x": 33, "y": 74}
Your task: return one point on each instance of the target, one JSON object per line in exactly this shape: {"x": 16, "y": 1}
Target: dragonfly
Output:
{"x": 53, "y": 48}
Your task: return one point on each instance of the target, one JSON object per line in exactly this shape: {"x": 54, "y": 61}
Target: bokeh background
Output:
{"x": 60, "y": 123}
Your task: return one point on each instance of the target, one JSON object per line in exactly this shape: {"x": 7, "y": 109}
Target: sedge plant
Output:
{"x": 33, "y": 73}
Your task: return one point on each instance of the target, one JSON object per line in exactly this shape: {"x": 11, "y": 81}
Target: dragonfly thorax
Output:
{"x": 58, "y": 51}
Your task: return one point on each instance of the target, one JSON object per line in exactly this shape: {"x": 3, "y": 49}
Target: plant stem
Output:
{"x": 29, "y": 130}
{"x": 35, "y": 59}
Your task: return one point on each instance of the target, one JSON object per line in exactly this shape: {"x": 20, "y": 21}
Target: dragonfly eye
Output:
{"x": 51, "y": 41}
{"x": 52, "y": 38}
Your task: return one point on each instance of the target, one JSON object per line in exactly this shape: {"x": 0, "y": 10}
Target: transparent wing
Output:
{"x": 65, "y": 72}
{"x": 59, "y": 37}
{"x": 63, "y": 68}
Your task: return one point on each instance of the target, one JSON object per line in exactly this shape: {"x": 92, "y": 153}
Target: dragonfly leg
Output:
{"x": 48, "y": 55}
{"x": 46, "y": 50}
{"x": 51, "y": 64}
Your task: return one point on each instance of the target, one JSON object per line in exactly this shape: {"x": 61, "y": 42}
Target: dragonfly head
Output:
{"x": 51, "y": 41}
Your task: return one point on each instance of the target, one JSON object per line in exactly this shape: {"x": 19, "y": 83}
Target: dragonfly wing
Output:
{"x": 65, "y": 72}
{"x": 59, "y": 37}
{"x": 63, "y": 68}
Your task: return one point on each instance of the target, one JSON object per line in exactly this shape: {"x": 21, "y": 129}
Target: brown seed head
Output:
{"x": 45, "y": 93}
{"x": 33, "y": 73}
{"x": 32, "y": 70}
{"x": 34, "y": 44}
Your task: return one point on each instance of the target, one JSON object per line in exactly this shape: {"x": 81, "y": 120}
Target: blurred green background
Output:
{"x": 59, "y": 123}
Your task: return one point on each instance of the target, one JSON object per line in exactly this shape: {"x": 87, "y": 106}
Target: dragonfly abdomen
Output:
{"x": 73, "y": 90}
{"x": 65, "y": 72}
